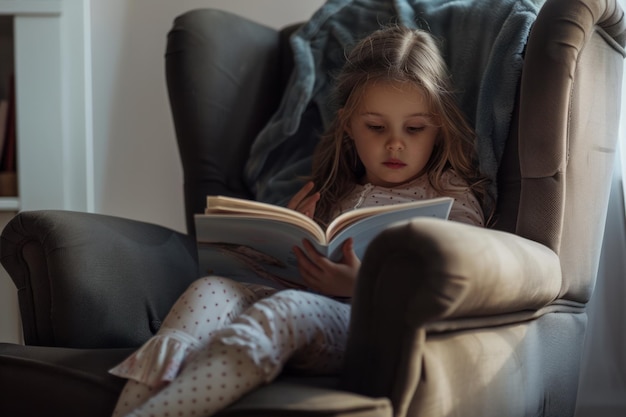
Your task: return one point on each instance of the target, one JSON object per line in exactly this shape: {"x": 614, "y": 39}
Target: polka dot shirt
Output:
{"x": 465, "y": 209}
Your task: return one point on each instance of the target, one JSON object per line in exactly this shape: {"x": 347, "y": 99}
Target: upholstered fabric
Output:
{"x": 80, "y": 277}
{"x": 561, "y": 199}
{"x": 199, "y": 61}
{"x": 45, "y": 381}
{"x": 484, "y": 291}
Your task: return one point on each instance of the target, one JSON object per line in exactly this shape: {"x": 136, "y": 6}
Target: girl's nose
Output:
{"x": 394, "y": 144}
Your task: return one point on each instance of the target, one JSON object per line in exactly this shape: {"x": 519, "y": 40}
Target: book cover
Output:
{"x": 253, "y": 242}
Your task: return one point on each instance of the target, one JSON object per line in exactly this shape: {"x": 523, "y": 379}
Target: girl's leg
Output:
{"x": 214, "y": 378}
{"x": 253, "y": 349}
{"x": 206, "y": 306}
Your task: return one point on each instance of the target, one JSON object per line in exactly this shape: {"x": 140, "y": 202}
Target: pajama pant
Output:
{"x": 222, "y": 339}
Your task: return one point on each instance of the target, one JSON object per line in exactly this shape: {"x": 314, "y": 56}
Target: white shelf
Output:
{"x": 9, "y": 204}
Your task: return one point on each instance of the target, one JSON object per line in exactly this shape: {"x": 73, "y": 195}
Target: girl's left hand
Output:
{"x": 303, "y": 201}
{"x": 327, "y": 277}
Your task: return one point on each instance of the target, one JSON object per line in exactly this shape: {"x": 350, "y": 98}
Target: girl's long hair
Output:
{"x": 402, "y": 55}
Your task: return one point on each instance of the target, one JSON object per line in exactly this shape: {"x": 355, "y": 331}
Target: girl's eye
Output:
{"x": 416, "y": 129}
{"x": 376, "y": 128}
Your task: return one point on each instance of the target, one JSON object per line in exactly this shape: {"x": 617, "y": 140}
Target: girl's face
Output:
{"x": 394, "y": 133}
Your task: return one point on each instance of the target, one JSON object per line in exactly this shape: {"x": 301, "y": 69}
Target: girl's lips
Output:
{"x": 394, "y": 164}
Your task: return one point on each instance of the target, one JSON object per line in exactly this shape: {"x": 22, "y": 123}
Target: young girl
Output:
{"x": 398, "y": 136}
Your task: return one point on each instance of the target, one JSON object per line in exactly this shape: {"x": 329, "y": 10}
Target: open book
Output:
{"x": 253, "y": 242}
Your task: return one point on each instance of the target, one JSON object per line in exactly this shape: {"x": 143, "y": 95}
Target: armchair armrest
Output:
{"x": 93, "y": 281}
{"x": 431, "y": 270}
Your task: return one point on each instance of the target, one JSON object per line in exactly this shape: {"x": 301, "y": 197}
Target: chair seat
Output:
{"x": 287, "y": 396}
{"x": 44, "y": 381}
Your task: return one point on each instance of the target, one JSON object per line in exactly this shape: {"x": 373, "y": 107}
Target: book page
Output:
{"x": 364, "y": 230}
{"x": 435, "y": 207}
{"x": 248, "y": 208}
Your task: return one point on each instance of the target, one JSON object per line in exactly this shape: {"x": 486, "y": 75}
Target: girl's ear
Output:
{"x": 346, "y": 123}
{"x": 437, "y": 123}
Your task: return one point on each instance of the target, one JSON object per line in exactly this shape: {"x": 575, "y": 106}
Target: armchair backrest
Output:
{"x": 554, "y": 176}
{"x": 225, "y": 77}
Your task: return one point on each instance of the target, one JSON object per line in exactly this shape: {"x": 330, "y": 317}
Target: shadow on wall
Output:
{"x": 138, "y": 172}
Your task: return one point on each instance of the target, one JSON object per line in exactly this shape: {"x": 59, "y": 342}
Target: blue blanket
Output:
{"x": 483, "y": 44}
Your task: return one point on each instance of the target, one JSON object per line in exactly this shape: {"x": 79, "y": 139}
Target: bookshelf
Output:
{"x": 48, "y": 44}
{"x": 52, "y": 67}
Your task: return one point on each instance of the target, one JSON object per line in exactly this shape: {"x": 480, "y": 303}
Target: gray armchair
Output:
{"x": 447, "y": 320}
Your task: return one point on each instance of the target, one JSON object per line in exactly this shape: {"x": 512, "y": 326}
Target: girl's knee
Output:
{"x": 212, "y": 280}
{"x": 299, "y": 309}
{"x": 298, "y": 301}
{"x": 297, "y": 296}
{"x": 208, "y": 304}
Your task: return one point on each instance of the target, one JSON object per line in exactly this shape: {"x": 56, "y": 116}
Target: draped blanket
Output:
{"x": 483, "y": 43}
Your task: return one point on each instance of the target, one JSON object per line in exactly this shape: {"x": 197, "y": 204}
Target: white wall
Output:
{"x": 137, "y": 169}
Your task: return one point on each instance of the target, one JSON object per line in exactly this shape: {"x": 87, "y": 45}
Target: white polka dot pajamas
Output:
{"x": 222, "y": 339}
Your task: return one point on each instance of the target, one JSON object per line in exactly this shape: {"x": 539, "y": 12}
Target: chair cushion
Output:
{"x": 38, "y": 381}
{"x": 311, "y": 396}
{"x": 43, "y": 381}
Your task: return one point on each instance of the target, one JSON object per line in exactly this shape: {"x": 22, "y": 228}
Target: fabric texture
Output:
{"x": 158, "y": 360}
{"x": 487, "y": 36}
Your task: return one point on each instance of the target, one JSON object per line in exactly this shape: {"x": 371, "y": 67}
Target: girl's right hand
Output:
{"x": 303, "y": 202}
{"x": 336, "y": 279}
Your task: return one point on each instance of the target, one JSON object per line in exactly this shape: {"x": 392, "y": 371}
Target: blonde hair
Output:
{"x": 403, "y": 55}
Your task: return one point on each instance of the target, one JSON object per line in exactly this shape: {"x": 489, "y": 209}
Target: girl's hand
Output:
{"x": 327, "y": 277}
{"x": 303, "y": 202}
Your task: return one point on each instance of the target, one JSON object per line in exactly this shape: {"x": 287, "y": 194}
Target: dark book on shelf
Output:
{"x": 8, "y": 144}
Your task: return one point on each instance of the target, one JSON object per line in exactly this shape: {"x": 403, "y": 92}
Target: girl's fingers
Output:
{"x": 303, "y": 201}
{"x": 304, "y": 262}
{"x": 296, "y": 200}
{"x": 312, "y": 253}
{"x": 308, "y": 271}
{"x": 349, "y": 256}
{"x": 307, "y": 207}
{"x": 321, "y": 274}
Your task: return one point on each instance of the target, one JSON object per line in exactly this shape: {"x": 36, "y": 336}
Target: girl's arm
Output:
{"x": 466, "y": 209}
